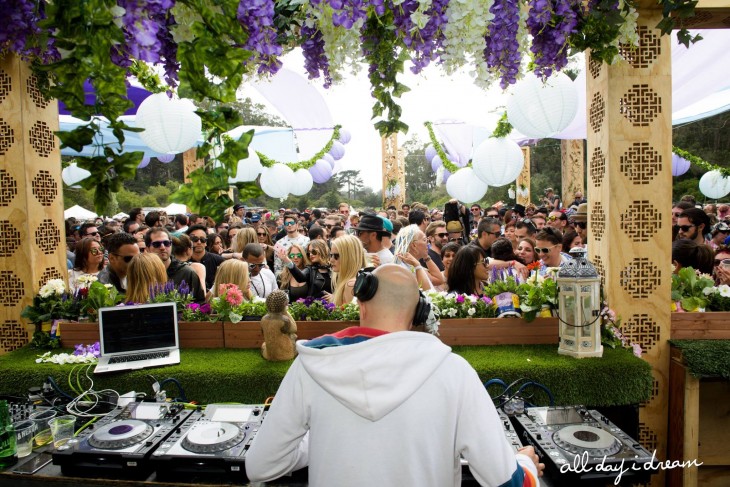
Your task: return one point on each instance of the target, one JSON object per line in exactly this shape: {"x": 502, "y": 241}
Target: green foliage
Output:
{"x": 706, "y": 358}
{"x": 688, "y": 288}
{"x": 351, "y": 180}
{"x": 673, "y": 13}
{"x": 99, "y": 296}
{"x": 295, "y": 166}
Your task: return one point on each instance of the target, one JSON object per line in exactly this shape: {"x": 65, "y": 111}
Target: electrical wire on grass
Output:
{"x": 89, "y": 396}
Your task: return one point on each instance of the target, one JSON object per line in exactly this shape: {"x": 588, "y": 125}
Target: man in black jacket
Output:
{"x": 122, "y": 247}
{"x": 158, "y": 242}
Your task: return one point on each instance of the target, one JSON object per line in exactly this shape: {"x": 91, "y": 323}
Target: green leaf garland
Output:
{"x": 295, "y": 166}
{"x": 698, "y": 161}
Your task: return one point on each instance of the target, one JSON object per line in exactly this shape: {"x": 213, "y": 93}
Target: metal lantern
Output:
{"x": 579, "y": 295}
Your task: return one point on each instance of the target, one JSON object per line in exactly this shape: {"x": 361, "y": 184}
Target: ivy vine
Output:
{"x": 698, "y": 161}
{"x": 295, "y": 166}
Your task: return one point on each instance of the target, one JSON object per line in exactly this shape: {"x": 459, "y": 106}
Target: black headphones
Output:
{"x": 366, "y": 285}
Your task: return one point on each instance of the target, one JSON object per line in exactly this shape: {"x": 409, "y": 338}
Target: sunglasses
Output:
{"x": 718, "y": 262}
{"x": 261, "y": 234}
{"x": 96, "y": 250}
{"x": 256, "y": 266}
{"x": 344, "y": 212}
{"x": 552, "y": 218}
{"x": 475, "y": 209}
{"x": 160, "y": 243}
{"x": 312, "y": 252}
{"x": 328, "y": 227}
{"x": 483, "y": 262}
{"x": 295, "y": 256}
{"x": 289, "y": 223}
{"x": 545, "y": 250}
{"x": 197, "y": 239}
{"x": 92, "y": 234}
{"x": 127, "y": 258}
{"x": 335, "y": 255}
{"x": 224, "y": 227}
{"x": 442, "y": 235}
{"x": 496, "y": 234}
{"x": 685, "y": 228}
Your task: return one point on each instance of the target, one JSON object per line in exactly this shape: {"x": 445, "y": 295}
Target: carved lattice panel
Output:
{"x": 8, "y": 188}
{"x": 11, "y": 288}
{"x": 648, "y": 50}
{"x": 42, "y": 138}
{"x": 7, "y": 137}
{"x": 597, "y": 220}
{"x": 640, "y": 278}
{"x": 47, "y": 236}
{"x": 699, "y": 17}
{"x": 640, "y": 163}
{"x": 647, "y": 437}
{"x": 598, "y": 264}
{"x": 598, "y": 167}
{"x": 9, "y": 239}
{"x": 12, "y": 336}
{"x": 31, "y": 86}
{"x": 48, "y": 274}
{"x": 641, "y": 221}
{"x": 597, "y": 113}
{"x": 654, "y": 392}
{"x": 594, "y": 66}
{"x": 642, "y": 329}
{"x": 45, "y": 188}
{"x": 6, "y": 85}
{"x": 640, "y": 105}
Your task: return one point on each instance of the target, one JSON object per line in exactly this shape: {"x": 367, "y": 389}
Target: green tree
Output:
{"x": 351, "y": 180}
{"x": 420, "y": 179}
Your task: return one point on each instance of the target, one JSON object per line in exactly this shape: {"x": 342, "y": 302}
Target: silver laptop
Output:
{"x": 137, "y": 337}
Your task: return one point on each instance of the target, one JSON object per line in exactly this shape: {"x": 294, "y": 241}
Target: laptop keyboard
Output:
{"x": 138, "y": 357}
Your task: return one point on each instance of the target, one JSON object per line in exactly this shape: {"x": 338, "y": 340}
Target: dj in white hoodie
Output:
{"x": 384, "y": 406}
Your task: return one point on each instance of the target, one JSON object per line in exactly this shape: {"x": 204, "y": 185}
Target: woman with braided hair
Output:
{"x": 411, "y": 246}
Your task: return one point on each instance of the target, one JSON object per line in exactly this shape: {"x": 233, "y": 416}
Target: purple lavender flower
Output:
{"x": 184, "y": 288}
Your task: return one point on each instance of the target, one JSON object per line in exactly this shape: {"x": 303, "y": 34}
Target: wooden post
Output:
{"x": 394, "y": 174}
{"x": 32, "y": 233}
{"x": 522, "y": 189}
{"x": 572, "y": 156}
{"x": 629, "y": 114}
{"x": 191, "y": 162}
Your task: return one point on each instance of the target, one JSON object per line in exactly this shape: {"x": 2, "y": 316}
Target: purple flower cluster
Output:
{"x": 424, "y": 43}
{"x": 19, "y": 29}
{"x": 347, "y": 12}
{"x": 551, "y": 23}
{"x": 502, "y": 51}
{"x": 315, "y": 59}
{"x": 200, "y": 308}
{"x": 309, "y": 301}
{"x": 82, "y": 349}
{"x": 257, "y": 18}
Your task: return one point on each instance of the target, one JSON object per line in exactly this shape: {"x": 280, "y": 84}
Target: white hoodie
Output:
{"x": 394, "y": 410}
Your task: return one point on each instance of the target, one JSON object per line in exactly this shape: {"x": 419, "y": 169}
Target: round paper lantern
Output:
{"x": 276, "y": 181}
{"x": 714, "y": 185}
{"x": 498, "y": 161}
{"x": 345, "y": 136}
{"x": 301, "y": 182}
{"x": 337, "y": 151}
{"x": 73, "y": 174}
{"x": 321, "y": 171}
{"x": 436, "y": 163}
{"x": 171, "y": 125}
{"x": 165, "y": 158}
{"x": 540, "y": 110}
{"x": 680, "y": 165}
{"x": 457, "y": 160}
{"x": 465, "y": 186}
{"x": 144, "y": 162}
{"x": 430, "y": 153}
{"x": 327, "y": 157}
{"x": 248, "y": 169}
{"x": 445, "y": 176}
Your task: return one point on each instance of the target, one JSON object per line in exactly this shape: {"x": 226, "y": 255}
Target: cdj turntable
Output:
{"x": 121, "y": 441}
{"x": 581, "y": 446}
{"x": 210, "y": 442}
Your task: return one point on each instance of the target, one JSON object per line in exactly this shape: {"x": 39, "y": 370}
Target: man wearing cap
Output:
{"x": 370, "y": 231}
{"x": 456, "y": 232}
{"x": 580, "y": 221}
{"x": 719, "y": 234}
{"x": 239, "y": 210}
{"x": 551, "y": 200}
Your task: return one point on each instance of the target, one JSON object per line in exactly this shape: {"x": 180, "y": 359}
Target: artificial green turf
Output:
{"x": 706, "y": 358}
{"x": 228, "y": 375}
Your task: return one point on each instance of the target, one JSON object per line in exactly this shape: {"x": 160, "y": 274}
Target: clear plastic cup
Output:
{"x": 725, "y": 263}
{"x": 62, "y": 429}
{"x": 24, "y": 432}
{"x": 43, "y": 430}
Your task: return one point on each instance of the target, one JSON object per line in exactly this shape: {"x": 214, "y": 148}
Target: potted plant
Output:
{"x": 688, "y": 290}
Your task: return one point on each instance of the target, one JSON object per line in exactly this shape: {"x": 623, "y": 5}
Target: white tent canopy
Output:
{"x": 79, "y": 213}
{"x": 175, "y": 209}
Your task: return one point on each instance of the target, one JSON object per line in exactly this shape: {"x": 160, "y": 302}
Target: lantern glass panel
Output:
{"x": 569, "y": 313}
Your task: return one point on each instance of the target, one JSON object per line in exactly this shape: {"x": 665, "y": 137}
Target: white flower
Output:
{"x": 724, "y": 290}
{"x": 234, "y": 317}
{"x": 53, "y": 286}
{"x": 451, "y": 312}
{"x": 258, "y": 299}
{"x": 710, "y": 290}
{"x": 471, "y": 311}
{"x": 472, "y": 298}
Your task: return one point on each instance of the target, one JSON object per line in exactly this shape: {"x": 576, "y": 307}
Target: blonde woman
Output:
{"x": 347, "y": 257}
{"x": 244, "y": 237}
{"x": 145, "y": 271}
{"x": 294, "y": 256}
{"x": 411, "y": 247}
{"x": 233, "y": 271}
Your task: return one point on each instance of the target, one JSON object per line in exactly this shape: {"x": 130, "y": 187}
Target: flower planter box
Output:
{"x": 249, "y": 335}
{"x": 710, "y": 325}
{"x": 499, "y": 331}
{"x": 193, "y": 334}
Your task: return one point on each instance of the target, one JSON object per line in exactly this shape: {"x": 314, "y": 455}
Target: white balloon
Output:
{"x": 714, "y": 185}
{"x": 345, "y": 136}
{"x": 540, "y": 110}
{"x": 171, "y": 125}
{"x": 73, "y": 174}
{"x": 276, "y": 181}
{"x": 248, "y": 169}
{"x": 498, "y": 161}
{"x": 465, "y": 186}
{"x": 301, "y": 182}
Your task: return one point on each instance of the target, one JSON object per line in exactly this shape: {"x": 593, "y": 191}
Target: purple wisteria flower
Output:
{"x": 257, "y": 18}
{"x": 315, "y": 59}
{"x": 503, "y": 50}
{"x": 423, "y": 43}
{"x": 551, "y": 22}
{"x": 19, "y": 30}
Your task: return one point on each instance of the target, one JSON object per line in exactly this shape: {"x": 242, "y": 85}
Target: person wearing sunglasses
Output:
{"x": 89, "y": 261}
{"x": 90, "y": 230}
{"x": 721, "y": 271}
{"x": 182, "y": 250}
{"x": 263, "y": 237}
{"x": 292, "y": 237}
{"x": 122, "y": 248}
{"x": 316, "y": 275}
{"x": 347, "y": 258}
{"x": 489, "y": 230}
{"x": 294, "y": 258}
{"x": 719, "y": 234}
{"x": 199, "y": 237}
{"x": 159, "y": 242}
{"x": 693, "y": 223}
{"x": 437, "y": 238}
{"x": 549, "y": 246}
{"x": 263, "y": 281}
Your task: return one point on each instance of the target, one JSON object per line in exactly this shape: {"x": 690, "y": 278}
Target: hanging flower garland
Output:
{"x": 698, "y": 161}
{"x": 295, "y": 166}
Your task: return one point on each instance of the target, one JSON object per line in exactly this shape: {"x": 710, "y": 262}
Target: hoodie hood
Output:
{"x": 373, "y": 377}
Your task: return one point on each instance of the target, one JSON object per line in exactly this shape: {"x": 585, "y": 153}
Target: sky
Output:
{"x": 433, "y": 97}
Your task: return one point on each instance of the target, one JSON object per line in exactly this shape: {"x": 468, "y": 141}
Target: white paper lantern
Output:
{"x": 276, "y": 181}
{"x": 337, "y": 151}
{"x": 73, "y": 174}
{"x": 166, "y": 158}
{"x": 436, "y": 163}
{"x": 248, "y": 169}
{"x": 680, "y": 165}
{"x": 465, "y": 186}
{"x": 540, "y": 110}
{"x": 345, "y": 136}
{"x": 430, "y": 153}
{"x": 327, "y": 157}
{"x": 321, "y": 171}
{"x": 301, "y": 182}
{"x": 171, "y": 125}
{"x": 714, "y": 185}
{"x": 144, "y": 162}
{"x": 498, "y": 161}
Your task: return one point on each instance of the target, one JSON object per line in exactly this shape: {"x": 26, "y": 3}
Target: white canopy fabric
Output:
{"x": 175, "y": 209}
{"x": 79, "y": 213}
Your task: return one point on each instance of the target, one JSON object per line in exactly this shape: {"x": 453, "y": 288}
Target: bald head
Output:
{"x": 394, "y": 304}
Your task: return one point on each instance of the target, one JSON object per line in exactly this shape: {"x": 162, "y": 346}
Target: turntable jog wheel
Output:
{"x": 579, "y": 438}
{"x": 120, "y": 434}
{"x": 214, "y": 436}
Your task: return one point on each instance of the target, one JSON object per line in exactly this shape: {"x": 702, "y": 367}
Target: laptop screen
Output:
{"x": 137, "y": 328}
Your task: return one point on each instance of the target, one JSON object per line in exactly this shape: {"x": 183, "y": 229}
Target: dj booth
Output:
{"x": 609, "y": 388}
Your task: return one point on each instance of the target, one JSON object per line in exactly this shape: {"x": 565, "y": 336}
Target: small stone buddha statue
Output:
{"x": 279, "y": 329}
